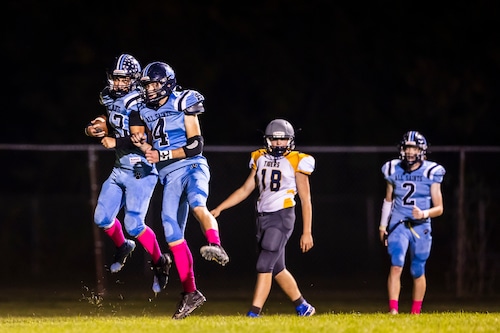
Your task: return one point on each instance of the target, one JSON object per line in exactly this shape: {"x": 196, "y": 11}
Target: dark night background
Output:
{"x": 346, "y": 73}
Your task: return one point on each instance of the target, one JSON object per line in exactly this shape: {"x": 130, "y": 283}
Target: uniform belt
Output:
{"x": 264, "y": 213}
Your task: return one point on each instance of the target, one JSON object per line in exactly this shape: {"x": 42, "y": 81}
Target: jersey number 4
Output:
{"x": 159, "y": 133}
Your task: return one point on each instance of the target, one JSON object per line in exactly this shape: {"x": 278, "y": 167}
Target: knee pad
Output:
{"x": 265, "y": 262}
{"x": 271, "y": 245}
{"x": 272, "y": 240}
{"x": 102, "y": 221}
{"x": 417, "y": 268}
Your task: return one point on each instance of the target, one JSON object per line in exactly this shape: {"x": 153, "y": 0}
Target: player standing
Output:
{"x": 133, "y": 179}
{"x": 171, "y": 114}
{"x": 279, "y": 173}
{"x": 413, "y": 196}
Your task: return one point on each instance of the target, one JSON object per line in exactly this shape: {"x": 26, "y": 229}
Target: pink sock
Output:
{"x": 115, "y": 232}
{"x": 212, "y": 236}
{"x": 393, "y": 304}
{"x": 184, "y": 263}
{"x": 150, "y": 244}
{"x": 416, "y": 307}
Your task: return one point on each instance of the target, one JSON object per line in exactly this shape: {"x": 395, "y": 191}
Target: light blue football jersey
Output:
{"x": 411, "y": 188}
{"x": 167, "y": 127}
{"x": 123, "y": 112}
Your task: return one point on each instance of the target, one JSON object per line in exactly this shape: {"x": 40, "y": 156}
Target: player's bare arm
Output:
{"x": 437, "y": 200}
{"x": 437, "y": 204}
{"x": 237, "y": 196}
{"x": 304, "y": 192}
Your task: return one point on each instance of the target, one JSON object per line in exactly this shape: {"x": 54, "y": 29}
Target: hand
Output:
{"x": 306, "y": 242}
{"x": 215, "y": 212}
{"x": 108, "y": 142}
{"x": 152, "y": 155}
{"x": 138, "y": 139}
{"x": 95, "y": 131}
{"x": 383, "y": 236}
{"x": 419, "y": 214}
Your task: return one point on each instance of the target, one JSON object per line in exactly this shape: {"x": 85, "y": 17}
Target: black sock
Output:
{"x": 298, "y": 301}
{"x": 255, "y": 309}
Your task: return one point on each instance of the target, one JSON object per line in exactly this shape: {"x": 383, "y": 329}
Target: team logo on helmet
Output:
{"x": 124, "y": 66}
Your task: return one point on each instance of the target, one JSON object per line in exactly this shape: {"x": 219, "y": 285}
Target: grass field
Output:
{"x": 51, "y": 310}
{"x": 354, "y": 322}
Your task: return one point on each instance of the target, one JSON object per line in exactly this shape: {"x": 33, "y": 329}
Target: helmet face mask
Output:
{"x": 124, "y": 76}
{"x": 412, "y": 149}
{"x": 279, "y": 129}
{"x": 158, "y": 80}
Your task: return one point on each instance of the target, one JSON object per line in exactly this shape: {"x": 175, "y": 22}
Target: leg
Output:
{"x": 191, "y": 297}
{"x": 394, "y": 287}
{"x": 108, "y": 204}
{"x": 397, "y": 246}
{"x": 288, "y": 284}
{"x": 420, "y": 249}
{"x": 213, "y": 251}
{"x": 138, "y": 194}
{"x": 419, "y": 287}
{"x": 197, "y": 194}
{"x": 262, "y": 289}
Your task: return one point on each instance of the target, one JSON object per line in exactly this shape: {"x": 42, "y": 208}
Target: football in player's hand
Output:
{"x": 99, "y": 124}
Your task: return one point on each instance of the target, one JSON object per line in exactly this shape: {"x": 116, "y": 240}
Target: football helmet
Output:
{"x": 162, "y": 73}
{"x": 124, "y": 66}
{"x": 279, "y": 129}
{"x": 412, "y": 139}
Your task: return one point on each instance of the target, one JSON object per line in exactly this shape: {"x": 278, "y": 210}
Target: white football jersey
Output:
{"x": 276, "y": 178}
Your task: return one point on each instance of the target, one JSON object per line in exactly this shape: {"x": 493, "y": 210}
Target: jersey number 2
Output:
{"x": 410, "y": 189}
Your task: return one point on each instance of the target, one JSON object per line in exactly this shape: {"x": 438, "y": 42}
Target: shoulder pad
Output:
{"x": 133, "y": 98}
{"x": 190, "y": 102}
{"x": 104, "y": 97}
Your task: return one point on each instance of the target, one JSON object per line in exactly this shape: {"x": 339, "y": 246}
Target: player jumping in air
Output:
{"x": 133, "y": 179}
{"x": 171, "y": 114}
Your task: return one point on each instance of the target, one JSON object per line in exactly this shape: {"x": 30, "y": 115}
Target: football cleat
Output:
{"x": 305, "y": 309}
{"x": 121, "y": 255}
{"x": 189, "y": 303}
{"x": 161, "y": 270}
{"x": 214, "y": 252}
{"x": 252, "y": 314}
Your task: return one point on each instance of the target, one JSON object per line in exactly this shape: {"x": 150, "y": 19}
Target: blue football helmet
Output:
{"x": 124, "y": 66}
{"x": 279, "y": 129}
{"x": 162, "y": 73}
{"x": 412, "y": 139}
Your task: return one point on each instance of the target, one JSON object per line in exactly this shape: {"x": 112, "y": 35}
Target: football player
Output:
{"x": 171, "y": 115}
{"x": 279, "y": 173}
{"x": 133, "y": 179}
{"x": 412, "y": 197}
